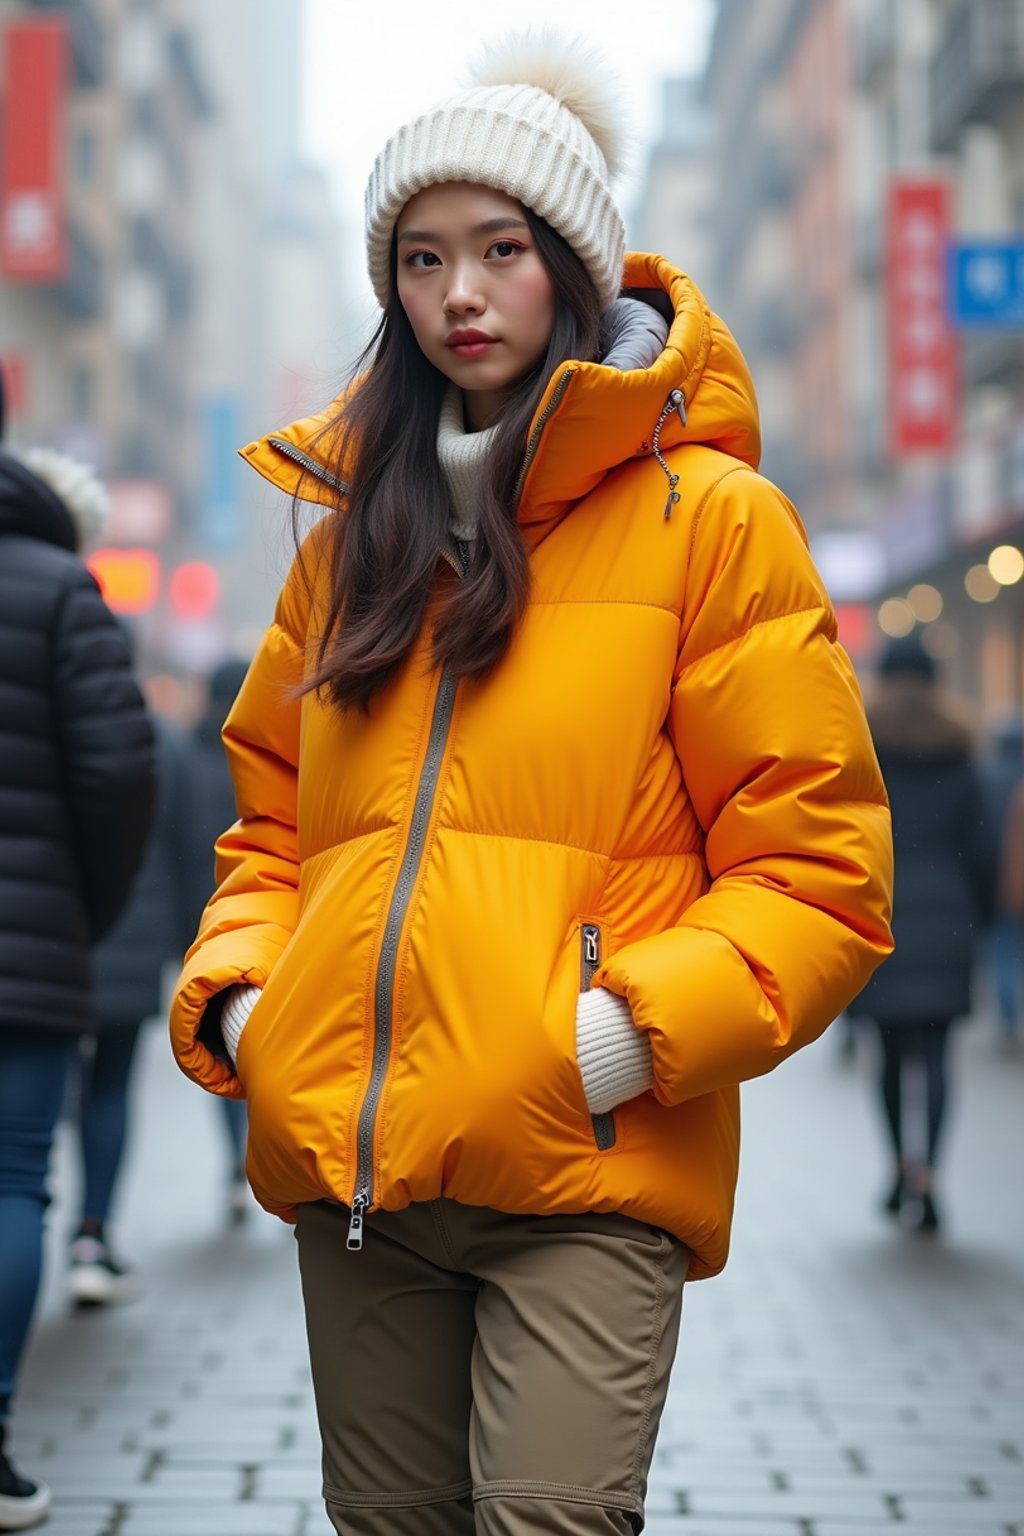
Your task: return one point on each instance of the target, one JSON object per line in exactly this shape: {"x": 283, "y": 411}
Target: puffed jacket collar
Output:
{"x": 592, "y": 418}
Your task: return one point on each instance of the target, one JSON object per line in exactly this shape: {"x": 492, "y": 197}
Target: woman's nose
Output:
{"x": 463, "y": 296}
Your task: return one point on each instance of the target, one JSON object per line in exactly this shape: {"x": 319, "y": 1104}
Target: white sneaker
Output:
{"x": 94, "y": 1278}
{"x": 22, "y": 1503}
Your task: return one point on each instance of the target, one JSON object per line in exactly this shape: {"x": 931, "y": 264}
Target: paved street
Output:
{"x": 841, "y": 1379}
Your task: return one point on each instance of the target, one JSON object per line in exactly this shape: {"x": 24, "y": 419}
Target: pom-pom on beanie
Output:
{"x": 539, "y": 122}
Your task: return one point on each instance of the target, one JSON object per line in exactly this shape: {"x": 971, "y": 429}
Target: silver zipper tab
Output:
{"x": 591, "y": 952}
{"x": 590, "y": 937}
{"x": 354, "y": 1241}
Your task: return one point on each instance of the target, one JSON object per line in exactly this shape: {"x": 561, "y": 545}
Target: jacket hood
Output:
{"x": 592, "y": 418}
{"x": 29, "y": 507}
{"x": 910, "y": 718}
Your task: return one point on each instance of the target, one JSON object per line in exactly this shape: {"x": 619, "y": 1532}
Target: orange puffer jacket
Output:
{"x": 666, "y": 788}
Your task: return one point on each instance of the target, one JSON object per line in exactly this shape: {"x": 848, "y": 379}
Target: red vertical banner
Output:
{"x": 14, "y": 376}
{"x": 33, "y": 226}
{"x": 922, "y": 348}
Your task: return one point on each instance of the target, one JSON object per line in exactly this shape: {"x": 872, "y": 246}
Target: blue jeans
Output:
{"x": 103, "y": 1116}
{"x": 236, "y": 1123}
{"x": 1005, "y": 957}
{"x": 34, "y": 1065}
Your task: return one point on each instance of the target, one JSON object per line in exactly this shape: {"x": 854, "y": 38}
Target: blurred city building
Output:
{"x": 867, "y": 246}
{"x": 168, "y": 286}
{"x": 674, "y": 212}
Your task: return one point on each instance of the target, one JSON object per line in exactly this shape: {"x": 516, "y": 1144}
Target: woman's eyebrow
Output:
{"x": 488, "y": 227}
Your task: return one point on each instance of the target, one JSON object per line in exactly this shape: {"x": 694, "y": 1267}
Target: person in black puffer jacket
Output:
{"x": 944, "y": 898}
{"x": 76, "y": 796}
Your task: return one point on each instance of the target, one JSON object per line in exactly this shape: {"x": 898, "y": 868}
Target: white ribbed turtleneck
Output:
{"x": 462, "y": 456}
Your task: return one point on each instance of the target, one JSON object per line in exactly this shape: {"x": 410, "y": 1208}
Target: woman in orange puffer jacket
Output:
{"x": 558, "y": 819}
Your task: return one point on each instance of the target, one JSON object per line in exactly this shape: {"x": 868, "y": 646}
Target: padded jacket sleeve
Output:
{"x": 767, "y": 721}
{"x": 107, "y": 751}
{"x": 254, "y": 910}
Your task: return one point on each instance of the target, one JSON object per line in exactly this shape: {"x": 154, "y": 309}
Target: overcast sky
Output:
{"x": 369, "y": 65}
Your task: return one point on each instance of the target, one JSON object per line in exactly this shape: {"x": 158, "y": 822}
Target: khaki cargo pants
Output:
{"x": 478, "y": 1372}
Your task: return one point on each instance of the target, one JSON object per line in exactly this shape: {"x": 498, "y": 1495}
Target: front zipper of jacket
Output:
{"x": 590, "y": 959}
{"x": 535, "y": 436}
{"x": 426, "y": 790}
{"x": 383, "y": 997}
{"x": 298, "y": 457}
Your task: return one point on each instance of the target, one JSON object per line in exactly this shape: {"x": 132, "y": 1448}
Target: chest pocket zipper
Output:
{"x": 590, "y": 959}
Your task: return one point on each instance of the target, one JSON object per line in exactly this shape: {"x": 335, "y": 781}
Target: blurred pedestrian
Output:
{"x": 944, "y": 898}
{"x": 1002, "y": 773}
{"x": 212, "y": 810}
{"x": 155, "y": 927}
{"x": 558, "y": 818}
{"x": 76, "y": 796}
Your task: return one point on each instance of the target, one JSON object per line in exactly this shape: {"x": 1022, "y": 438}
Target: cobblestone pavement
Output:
{"x": 843, "y": 1378}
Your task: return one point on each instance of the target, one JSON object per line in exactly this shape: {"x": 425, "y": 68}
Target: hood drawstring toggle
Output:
{"x": 675, "y": 402}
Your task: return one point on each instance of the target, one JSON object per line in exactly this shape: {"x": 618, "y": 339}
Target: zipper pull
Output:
{"x": 679, "y": 401}
{"x": 591, "y": 936}
{"x": 354, "y": 1241}
{"x": 673, "y": 495}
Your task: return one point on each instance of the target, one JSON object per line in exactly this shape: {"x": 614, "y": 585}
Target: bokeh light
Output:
{"x": 1006, "y": 565}
{"x": 926, "y": 602}
{"x": 896, "y": 617}
{"x": 980, "y": 584}
{"x": 129, "y": 578}
{"x": 194, "y": 590}
{"x": 940, "y": 640}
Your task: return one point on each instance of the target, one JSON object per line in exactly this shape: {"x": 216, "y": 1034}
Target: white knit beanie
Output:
{"x": 539, "y": 123}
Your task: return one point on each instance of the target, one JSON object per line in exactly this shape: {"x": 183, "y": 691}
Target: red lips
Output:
{"x": 467, "y": 338}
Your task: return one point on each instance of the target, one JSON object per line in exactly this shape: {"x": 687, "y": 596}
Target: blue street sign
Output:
{"x": 220, "y": 507}
{"x": 986, "y": 284}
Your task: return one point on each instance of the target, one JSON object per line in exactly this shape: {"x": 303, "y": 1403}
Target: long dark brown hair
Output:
{"x": 383, "y": 545}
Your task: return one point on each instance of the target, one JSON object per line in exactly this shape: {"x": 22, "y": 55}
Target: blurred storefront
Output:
{"x": 153, "y": 210}
{"x": 869, "y": 161}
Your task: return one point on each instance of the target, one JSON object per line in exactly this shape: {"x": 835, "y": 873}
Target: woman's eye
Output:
{"x": 422, "y": 259}
{"x": 505, "y": 248}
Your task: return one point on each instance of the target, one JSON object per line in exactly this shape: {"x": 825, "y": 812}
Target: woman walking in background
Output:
{"x": 76, "y": 794}
{"x": 944, "y": 895}
{"x": 558, "y": 818}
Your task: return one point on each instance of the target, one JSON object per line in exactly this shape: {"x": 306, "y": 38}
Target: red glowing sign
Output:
{"x": 194, "y": 590}
{"x": 129, "y": 578}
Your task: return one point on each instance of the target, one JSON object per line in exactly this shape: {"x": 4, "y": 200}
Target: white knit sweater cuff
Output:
{"x": 238, "y": 1005}
{"x": 614, "y": 1056}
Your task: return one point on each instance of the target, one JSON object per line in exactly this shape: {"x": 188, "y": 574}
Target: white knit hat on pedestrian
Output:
{"x": 540, "y": 123}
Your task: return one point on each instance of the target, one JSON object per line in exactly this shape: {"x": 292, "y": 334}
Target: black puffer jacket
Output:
{"x": 945, "y": 858}
{"x": 158, "y": 923}
{"x": 76, "y": 761}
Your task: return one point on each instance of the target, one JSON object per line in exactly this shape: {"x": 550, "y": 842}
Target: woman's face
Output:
{"x": 477, "y": 294}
